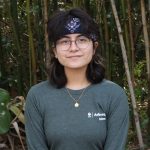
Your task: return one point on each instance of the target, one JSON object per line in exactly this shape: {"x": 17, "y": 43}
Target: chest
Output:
{"x": 63, "y": 122}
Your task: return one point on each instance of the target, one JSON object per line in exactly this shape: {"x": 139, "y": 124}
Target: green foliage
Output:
{"x": 16, "y": 106}
{"x": 5, "y": 117}
{"x": 140, "y": 81}
{"x": 22, "y": 51}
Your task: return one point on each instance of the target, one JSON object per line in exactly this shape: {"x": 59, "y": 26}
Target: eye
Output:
{"x": 64, "y": 42}
{"x": 82, "y": 39}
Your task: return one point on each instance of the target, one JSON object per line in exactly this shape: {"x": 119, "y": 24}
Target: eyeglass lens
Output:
{"x": 81, "y": 42}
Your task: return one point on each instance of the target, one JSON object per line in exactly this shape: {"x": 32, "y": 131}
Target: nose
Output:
{"x": 73, "y": 46}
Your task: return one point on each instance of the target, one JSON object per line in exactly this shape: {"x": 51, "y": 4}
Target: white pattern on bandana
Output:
{"x": 73, "y": 25}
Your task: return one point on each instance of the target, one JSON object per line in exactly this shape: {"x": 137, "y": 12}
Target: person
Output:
{"x": 77, "y": 108}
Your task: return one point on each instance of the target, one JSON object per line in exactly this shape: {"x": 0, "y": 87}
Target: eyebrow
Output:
{"x": 65, "y": 36}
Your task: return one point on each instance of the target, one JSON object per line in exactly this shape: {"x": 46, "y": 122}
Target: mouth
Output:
{"x": 74, "y": 56}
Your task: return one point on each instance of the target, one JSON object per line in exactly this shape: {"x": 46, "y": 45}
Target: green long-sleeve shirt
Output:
{"x": 99, "y": 123}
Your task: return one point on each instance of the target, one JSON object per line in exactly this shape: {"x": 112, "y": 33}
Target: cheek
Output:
{"x": 57, "y": 54}
{"x": 89, "y": 55}
{"x": 61, "y": 58}
{"x": 88, "y": 58}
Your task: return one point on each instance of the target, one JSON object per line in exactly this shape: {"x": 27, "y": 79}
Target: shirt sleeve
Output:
{"x": 35, "y": 136}
{"x": 117, "y": 124}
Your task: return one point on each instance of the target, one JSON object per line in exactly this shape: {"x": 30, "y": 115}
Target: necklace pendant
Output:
{"x": 76, "y": 104}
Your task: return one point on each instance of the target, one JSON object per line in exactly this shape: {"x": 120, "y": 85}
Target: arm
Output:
{"x": 36, "y": 139}
{"x": 117, "y": 124}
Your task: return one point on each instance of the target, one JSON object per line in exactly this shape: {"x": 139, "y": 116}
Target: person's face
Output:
{"x": 74, "y": 51}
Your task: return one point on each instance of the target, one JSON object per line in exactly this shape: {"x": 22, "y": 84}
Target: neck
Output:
{"x": 76, "y": 78}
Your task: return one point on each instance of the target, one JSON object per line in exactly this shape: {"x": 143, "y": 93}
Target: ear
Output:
{"x": 95, "y": 45}
{"x": 55, "y": 52}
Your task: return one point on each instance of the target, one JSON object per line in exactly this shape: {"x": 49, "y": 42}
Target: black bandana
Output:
{"x": 73, "y": 25}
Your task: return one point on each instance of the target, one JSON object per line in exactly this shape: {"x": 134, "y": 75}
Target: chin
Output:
{"x": 75, "y": 66}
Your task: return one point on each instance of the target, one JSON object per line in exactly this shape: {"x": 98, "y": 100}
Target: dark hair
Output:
{"x": 56, "y": 29}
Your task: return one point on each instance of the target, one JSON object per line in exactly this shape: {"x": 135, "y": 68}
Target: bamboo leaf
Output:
{"x": 18, "y": 113}
{"x": 15, "y": 124}
{"x": 17, "y": 107}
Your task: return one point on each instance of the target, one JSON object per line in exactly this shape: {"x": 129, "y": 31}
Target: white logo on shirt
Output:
{"x": 100, "y": 116}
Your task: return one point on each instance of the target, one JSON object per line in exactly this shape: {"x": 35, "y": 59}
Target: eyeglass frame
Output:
{"x": 71, "y": 41}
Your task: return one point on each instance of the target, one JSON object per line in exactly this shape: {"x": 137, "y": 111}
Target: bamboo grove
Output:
{"x": 124, "y": 42}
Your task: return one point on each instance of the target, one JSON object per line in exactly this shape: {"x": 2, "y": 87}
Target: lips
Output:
{"x": 74, "y": 56}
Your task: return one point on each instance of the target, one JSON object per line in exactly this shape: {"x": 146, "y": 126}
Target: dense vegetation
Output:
{"x": 24, "y": 57}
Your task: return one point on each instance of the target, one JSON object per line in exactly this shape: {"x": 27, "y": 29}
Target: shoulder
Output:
{"x": 110, "y": 95}
{"x": 108, "y": 91}
{"x": 41, "y": 88}
{"x": 40, "y": 94}
{"x": 41, "y": 85}
{"x": 108, "y": 86}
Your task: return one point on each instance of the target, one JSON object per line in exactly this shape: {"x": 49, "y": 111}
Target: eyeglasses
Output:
{"x": 64, "y": 44}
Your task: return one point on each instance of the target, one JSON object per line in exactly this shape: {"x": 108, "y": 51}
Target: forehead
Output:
{"x": 72, "y": 36}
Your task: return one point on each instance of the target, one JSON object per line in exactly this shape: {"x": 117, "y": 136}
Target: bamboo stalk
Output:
{"x": 136, "y": 116}
{"x": 46, "y": 34}
{"x": 98, "y": 5}
{"x": 32, "y": 56}
{"x": 87, "y": 6}
{"x": 126, "y": 34}
{"x": 149, "y": 5}
{"x": 107, "y": 47}
{"x": 55, "y": 4}
{"x": 146, "y": 39}
{"x": 78, "y": 3}
{"x": 132, "y": 51}
{"x": 14, "y": 20}
{"x": 39, "y": 44}
{"x": 2, "y": 58}
{"x": 147, "y": 51}
{"x": 131, "y": 41}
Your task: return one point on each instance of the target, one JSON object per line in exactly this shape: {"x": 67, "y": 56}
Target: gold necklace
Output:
{"x": 76, "y": 100}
